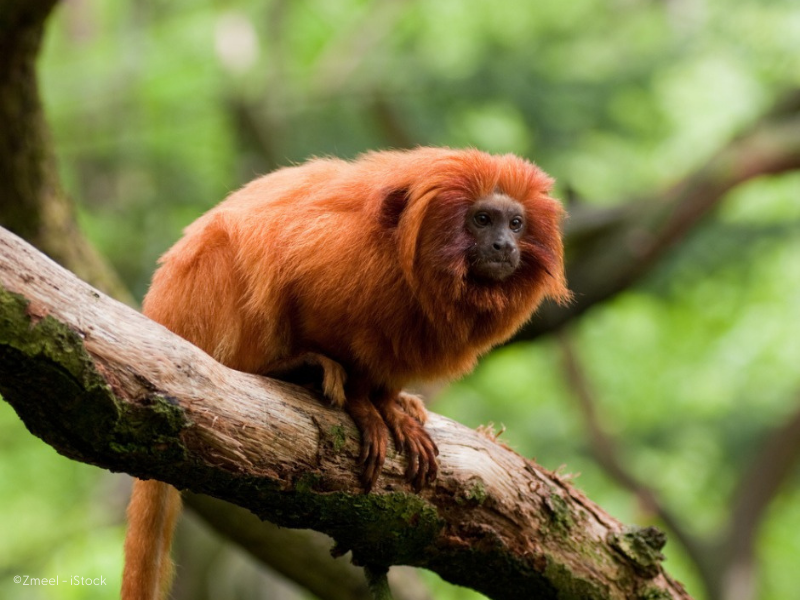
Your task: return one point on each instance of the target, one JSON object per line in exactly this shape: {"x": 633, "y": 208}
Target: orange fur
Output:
{"x": 361, "y": 268}
{"x": 152, "y": 514}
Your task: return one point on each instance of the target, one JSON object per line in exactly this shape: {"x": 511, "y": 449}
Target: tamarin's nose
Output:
{"x": 503, "y": 244}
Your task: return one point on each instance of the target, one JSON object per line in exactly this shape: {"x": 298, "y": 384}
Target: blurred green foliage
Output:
{"x": 159, "y": 109}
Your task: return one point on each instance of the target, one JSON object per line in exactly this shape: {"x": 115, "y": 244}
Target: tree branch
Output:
{"x": 104, "y": 385}
{"x": 758, "y": 486}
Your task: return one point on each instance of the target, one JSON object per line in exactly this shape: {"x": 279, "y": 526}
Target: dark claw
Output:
{"x": 433, "y": 466}
{"x": 415, "y": 464}
{"x": 427, "y": 461}
{"x": 418, "y": 482}
{"x": 373, "y": 455}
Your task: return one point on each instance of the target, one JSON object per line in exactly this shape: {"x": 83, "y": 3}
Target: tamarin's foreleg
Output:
{"x": 409, "y": 436}
{"x": 374, "y": 435}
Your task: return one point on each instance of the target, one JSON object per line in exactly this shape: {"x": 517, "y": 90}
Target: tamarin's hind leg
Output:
{"x": 333, "y": 374}
{"x": 413, "y": 405}
{"x": 152, "y": 514}
{"x": 409, "y": 435}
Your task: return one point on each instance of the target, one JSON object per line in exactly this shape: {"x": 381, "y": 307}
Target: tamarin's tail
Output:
{"x": 152, "y": 514}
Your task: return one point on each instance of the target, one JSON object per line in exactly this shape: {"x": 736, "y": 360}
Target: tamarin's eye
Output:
{"x": 482, "y": 219}
{"x": 516, "y": 224}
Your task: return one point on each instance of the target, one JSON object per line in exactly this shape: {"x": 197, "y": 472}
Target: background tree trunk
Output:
{"x": 32, "y": 202}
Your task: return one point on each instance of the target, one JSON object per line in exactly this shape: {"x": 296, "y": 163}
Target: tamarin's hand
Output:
{"x": 371, "y": 274}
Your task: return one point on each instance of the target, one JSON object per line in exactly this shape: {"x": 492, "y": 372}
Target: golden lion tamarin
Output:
{"x": 396, "y": 267}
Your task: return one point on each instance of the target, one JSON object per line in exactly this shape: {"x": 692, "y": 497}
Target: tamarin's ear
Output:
{"x": 392, "y": 206}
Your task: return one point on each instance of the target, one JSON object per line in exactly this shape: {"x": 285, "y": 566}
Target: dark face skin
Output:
{"x": 497, "y": 224}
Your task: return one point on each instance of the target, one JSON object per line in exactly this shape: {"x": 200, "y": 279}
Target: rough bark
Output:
{"x": 102, "y": 384}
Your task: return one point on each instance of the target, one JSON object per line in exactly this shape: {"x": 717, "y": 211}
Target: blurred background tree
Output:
{"x": 676, "y": 400}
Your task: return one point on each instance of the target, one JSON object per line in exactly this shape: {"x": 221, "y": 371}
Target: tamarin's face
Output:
{"x": 496, "y": 224}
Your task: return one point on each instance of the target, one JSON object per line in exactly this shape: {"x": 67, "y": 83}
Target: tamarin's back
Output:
{"x": 293, "y": 261}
